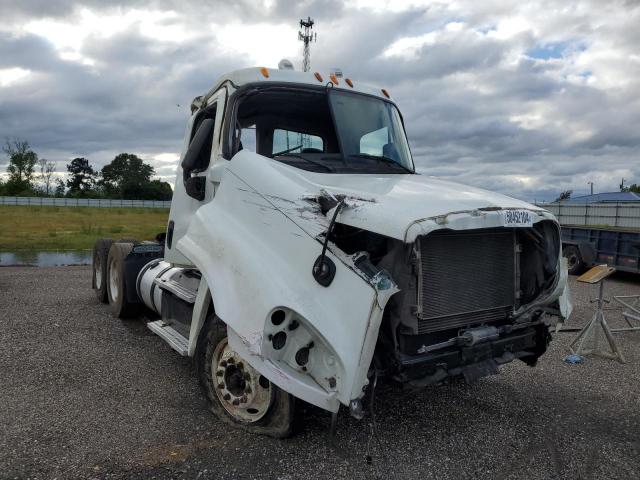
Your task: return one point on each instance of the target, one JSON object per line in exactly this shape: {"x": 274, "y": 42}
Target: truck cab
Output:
{"x": 305, "y": 257}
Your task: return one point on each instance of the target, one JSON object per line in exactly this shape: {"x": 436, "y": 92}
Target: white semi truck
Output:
{"x": 304, "y": 257}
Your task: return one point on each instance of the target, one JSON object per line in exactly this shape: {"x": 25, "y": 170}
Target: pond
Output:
{"x": 45, "y": 259}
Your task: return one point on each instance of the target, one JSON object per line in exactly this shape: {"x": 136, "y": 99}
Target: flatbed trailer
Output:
{"x": 585, "y": 246}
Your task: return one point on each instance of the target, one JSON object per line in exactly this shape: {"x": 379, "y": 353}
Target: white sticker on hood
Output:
{"x": 517, "y": 218}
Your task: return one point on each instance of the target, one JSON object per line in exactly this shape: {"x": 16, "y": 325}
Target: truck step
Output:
{"x": 177, "y": 289}
{"x": 170, "y": 335}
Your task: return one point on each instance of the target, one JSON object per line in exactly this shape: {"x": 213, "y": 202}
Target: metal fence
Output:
{"x": 83, "y": 202}
{"x": 620, "y": 215}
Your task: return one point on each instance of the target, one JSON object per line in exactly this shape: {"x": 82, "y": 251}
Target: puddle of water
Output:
{"x": 45, "y": 259}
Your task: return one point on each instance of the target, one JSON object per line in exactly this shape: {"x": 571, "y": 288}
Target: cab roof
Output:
{"x": 265, "y": 75}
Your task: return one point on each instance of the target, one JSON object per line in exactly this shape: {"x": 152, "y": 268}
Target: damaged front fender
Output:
{"x": 257, "y": 258}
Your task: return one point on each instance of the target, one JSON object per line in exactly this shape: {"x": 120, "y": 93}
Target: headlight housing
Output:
{"x": 291, "y": 342}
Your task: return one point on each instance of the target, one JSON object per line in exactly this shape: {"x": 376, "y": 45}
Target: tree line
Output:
{"x": 125, "y": 177}
{"x": 634, "y": 187}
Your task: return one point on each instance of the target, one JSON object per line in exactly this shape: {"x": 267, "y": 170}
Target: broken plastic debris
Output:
{"x": 382, "y": 280}
{"x": 573, "y": 359}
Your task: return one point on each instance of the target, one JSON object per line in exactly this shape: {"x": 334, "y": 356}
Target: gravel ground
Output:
{"x": 83, "y": 395}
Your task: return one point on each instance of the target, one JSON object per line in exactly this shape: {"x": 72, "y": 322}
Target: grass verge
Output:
{"x": 75, "y": 228}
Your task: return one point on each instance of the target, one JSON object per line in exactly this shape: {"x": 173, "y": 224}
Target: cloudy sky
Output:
{"x": 526, "y": 98}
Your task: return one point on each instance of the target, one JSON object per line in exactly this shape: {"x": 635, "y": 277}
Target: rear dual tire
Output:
{"x": 117, "y": 285}
{"x": 100, "y": 256}
{"x": 108, "y": 275}
{"x": 99, "y": 281}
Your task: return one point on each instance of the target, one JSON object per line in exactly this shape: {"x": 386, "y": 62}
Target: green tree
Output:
{"x": 126, "y": 176}
{"x": 566, "y": 195}
{"x": 22, "y": 162}
{"x": 156, "y": 190}
{"x": 59, "y": 190}
{"x": 82, "y": 178}
{"x": 634, "y": 187}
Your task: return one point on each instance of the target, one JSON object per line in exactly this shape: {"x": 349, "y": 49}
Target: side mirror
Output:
{"x": 201, "y": 141}
{"x": 197, "y": 157}
{"x": 194, "y": 187}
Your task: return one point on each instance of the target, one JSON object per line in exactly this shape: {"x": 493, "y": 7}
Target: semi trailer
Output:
{"x": 606, "y": 232}
{"x": 304, "y": 257}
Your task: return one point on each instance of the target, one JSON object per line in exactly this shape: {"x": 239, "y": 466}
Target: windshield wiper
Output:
{"x": 287, "y": 150}
{"x": 382, "y": 159}
{"x": 319, "y": 164}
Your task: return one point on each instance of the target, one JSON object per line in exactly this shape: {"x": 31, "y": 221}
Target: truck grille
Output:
{"x": 465, "y": 278}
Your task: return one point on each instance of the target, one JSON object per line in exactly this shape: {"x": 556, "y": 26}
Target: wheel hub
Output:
{"x": 234, "y": 380}
{"x": 242, "y": 391}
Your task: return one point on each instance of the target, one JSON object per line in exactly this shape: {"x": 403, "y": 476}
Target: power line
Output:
{"x": 306, "y": 36}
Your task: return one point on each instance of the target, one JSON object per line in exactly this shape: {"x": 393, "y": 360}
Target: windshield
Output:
{"x": 369, "y": 126}
{"x": 326, "y": 130}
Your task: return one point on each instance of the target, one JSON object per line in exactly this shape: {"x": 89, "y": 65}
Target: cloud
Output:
{"x": 524, "y": 98}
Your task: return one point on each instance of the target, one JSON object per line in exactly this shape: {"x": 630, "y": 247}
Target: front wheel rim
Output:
{"x": 242, "y": 391}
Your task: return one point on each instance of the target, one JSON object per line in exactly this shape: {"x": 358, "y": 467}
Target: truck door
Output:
{"x": 200, "y": 147}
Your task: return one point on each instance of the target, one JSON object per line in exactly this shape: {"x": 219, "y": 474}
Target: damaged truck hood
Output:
{"x": 399, "y": 206}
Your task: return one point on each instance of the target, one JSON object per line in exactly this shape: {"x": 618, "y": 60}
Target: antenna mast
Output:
{"x": 306, "y": 36}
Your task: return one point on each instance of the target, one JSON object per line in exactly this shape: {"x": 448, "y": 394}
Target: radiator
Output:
{"x": 465, "y": 278}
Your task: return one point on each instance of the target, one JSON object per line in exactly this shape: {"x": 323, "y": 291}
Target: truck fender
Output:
{"x": 250, "y": 255}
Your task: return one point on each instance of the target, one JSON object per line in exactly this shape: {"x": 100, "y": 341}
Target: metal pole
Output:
{"x": 306, "y": 36}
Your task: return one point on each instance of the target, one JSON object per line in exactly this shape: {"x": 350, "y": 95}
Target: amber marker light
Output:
{"x": 385, "y": 93}
{"x": 348, "y": 82}
{"x": 318, "y": 76}
{"x": 334, "y": 79}
{"x": 264, "y": 72}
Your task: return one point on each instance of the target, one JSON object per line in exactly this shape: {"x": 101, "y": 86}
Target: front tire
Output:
{"x": 236, "y": 392}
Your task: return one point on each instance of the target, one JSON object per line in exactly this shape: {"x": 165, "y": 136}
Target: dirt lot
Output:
{"x": 83, "y": 395}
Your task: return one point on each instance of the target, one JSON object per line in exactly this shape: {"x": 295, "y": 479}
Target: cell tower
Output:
{"x": 307, "y": 36}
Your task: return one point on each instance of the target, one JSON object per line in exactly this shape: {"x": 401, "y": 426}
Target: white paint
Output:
{"x": 389, "y": 204}
{"x": 254, "y": 75}
{"x": 184, "y": 207}
{"x": 255, "y": 258}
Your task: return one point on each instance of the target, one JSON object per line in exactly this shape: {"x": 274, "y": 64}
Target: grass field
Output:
{"x": 75, "y": 228}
